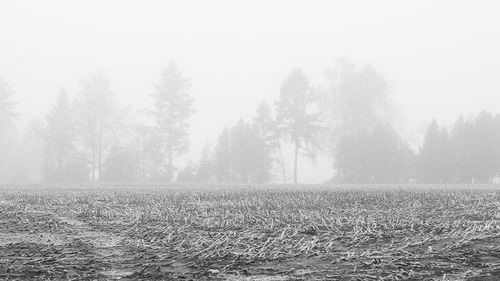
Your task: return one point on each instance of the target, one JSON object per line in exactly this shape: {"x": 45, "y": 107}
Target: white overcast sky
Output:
{"x": 440, "y": 58}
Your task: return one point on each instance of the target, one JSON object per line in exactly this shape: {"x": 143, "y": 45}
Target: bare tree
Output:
{"x": 357, "y": 99}
{"x": 98, "y": 122}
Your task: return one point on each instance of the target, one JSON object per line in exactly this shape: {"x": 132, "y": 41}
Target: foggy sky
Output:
{"x": 440, "y": 58}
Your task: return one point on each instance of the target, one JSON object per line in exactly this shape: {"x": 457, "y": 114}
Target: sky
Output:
{"x": 440, "y": 58}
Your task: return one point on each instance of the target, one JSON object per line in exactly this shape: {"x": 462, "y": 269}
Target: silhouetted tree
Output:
{"x": 380, "y": 156}
{"x": 266, "y": 128}
{"x": 30, "y": 154}
{"x": 6, "y": 106}
{"x": 187, "y": 174}
{"x": 295, "y": 116}
{"x": 348, "y": 164}
{"x": 429, "y": 156}
{"x": 356, "y": 101}
{"x": 469, "y": 153}
{"x": 148, "y": 146}
{"x": 59, "y": 138}
{"x": 121, "y": 166}
{"x": 206, "y": 166}
{"x": 242, "y": 156}
{"x": 8, "y": 134}
{"x": 173, "y": 107}
{"x": 353, "y": 105}
{"x": 436, "y": 156}
{"x": 484, "y": 145}
{"x": 389, "y": 157}
{"x": 222, "y": 157}
{"x": 97, "y": 122}
{"x": 461, "y": 142}
{"x": 250, "y": 157}
{"x": 76, "y": 170}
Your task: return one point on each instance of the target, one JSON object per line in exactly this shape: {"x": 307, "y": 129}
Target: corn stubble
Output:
{"x": 240, "y": 233}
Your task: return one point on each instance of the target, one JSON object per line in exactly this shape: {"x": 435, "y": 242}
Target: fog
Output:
{"x": 427, "y": 60}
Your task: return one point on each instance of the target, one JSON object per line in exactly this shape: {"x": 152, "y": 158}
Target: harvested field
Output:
{"x": 250, "y": 233}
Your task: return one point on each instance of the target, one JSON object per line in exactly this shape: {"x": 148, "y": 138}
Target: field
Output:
{"x": 250, "y": 233}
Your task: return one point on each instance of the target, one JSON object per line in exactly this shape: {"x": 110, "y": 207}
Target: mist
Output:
{"x": 241, "y": 77}
{"x": 249, "y": 140}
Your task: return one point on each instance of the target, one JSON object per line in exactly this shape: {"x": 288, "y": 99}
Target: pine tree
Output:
{"x": 59, "y": 137}
{"x": 205, "y": 170}
{"x": 8, "y": 133}
{"x": 435, "y": 156}
{"x": 173, "y": 107}
{"x": 266, "y": 129}
{"x": 222, "y": 157}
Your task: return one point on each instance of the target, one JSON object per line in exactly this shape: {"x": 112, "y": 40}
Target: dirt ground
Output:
{"x": 42, "y": 241}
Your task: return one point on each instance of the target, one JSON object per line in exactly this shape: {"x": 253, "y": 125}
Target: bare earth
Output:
{"x": 253, "y": 234}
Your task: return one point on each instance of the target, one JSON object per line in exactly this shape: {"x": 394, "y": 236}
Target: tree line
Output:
{"x": 90, "y": 137}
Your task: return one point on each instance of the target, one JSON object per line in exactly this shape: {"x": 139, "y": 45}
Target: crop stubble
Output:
{"x": 251, "y": 233}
